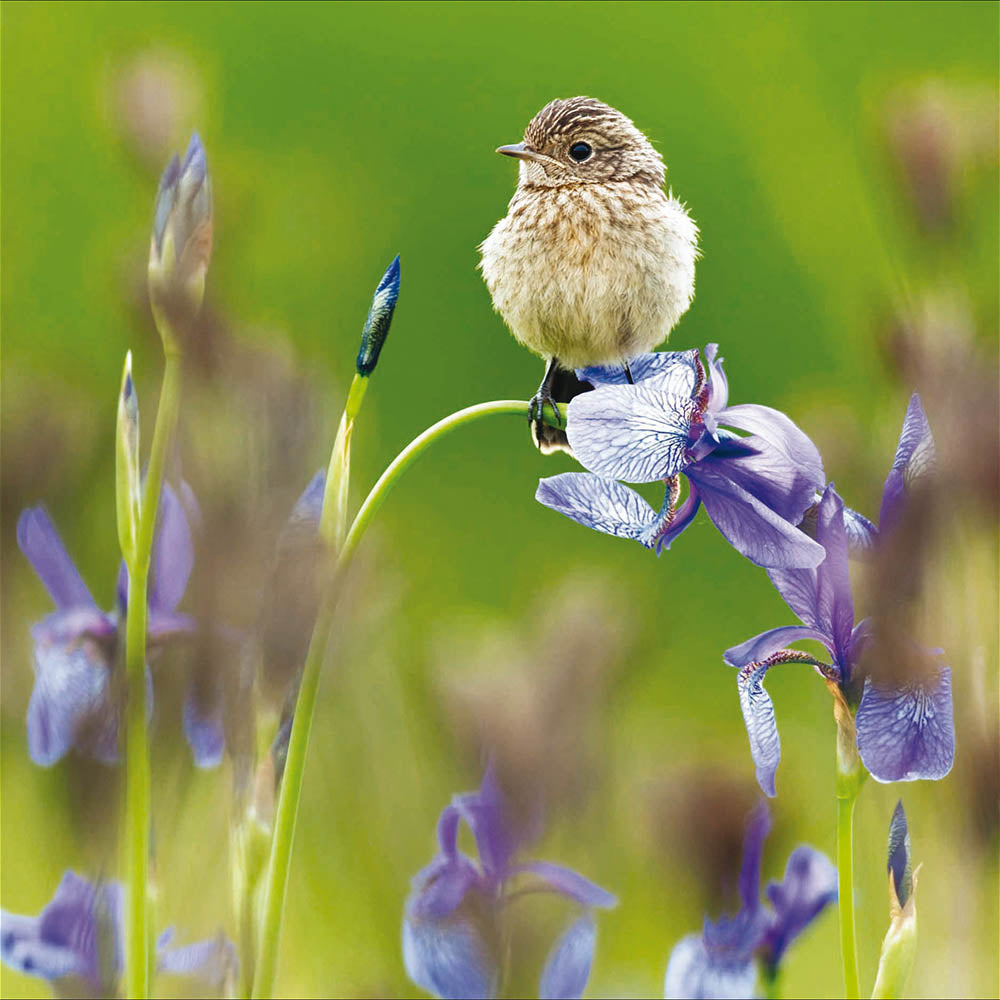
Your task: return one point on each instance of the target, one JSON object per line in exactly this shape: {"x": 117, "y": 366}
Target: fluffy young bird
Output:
{"x": 594, "y": 261}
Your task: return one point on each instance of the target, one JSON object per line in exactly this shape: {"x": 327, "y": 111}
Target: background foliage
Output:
{"x": 340, "y": 135}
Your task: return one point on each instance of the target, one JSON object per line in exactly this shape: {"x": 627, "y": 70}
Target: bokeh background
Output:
{"x": 841, "y": 161}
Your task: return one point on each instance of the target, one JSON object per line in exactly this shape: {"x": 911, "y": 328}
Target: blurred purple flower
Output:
{"x": 73, "y": 703}
{"x": 669, "y": 423}
{"x": 722, "y": 960}
{"x": 905, "y": 730}
{"x": 450, "y": 922}
{"x": 76, "y": 942}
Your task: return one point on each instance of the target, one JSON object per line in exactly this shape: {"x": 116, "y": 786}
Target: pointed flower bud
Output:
{"x": 379, "y": 318}
{"x": 900, "y": 945}
{"x": 182, "y": 239}
{"x": 127, "y": 482}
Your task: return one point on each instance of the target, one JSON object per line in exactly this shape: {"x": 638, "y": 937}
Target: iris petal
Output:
{"x": 602, "y": 504}
{"x": 40, "y": 542}
{"x": 567, "y": 968}
{"x": 448, "y": 959}
{"x": 809, "y": 885}
{"x": 568, "y": 883}
{"x": 633, "y": 433}
{"x": 907, "y": 733}
{"x": 693, "y": 973}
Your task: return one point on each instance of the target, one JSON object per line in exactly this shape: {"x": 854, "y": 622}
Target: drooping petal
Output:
{"x": 449, "y": 959}
{"x": 568, "y": 883}
{"x": 693, "y": 973}
{"x": 675, "y": 371}
{"x": 23, "y": 949}
{"x": 809, "y": 885}
{"x": 40, "y": 542}
{"x": 758, "y": 714}
{"x": 204, "y": 727}
{"x": 173, "y": 554}
{"x": 915, "y": 457}
{"x": 213, "y": 960}
{"x": 602, "y": 504}
{"x": 70, "y": 700}
{"x": 752, "y": 528}
{"x": 633, "y": 433}
{"x": 907, "y": 733}
{"x": 768, "y": 473}
{"x": 784, "y": 436}
{"x": 567, "y": 968}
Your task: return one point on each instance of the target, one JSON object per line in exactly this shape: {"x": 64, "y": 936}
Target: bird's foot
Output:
{"x": 536, "y": 406}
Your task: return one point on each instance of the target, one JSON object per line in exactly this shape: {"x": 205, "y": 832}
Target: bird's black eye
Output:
{"x": 580, "y": 151}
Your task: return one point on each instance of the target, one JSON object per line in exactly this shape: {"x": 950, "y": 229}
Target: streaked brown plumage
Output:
{"x": 594, "y": 261}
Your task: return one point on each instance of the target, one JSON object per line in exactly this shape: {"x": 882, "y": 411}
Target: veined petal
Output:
{"x": 630, "y": 432}
{"x": 915, "y": 457}
{"x": 682, "y": 517}
{"x": 907, "y": 733}
{"x": 70, "y": 696}
{"x": 449, "y": 959}
{"x": 173, "y": 554}
{"x": 758, "y": 714}
{"x": 40, "y": 542}
{"x": 768, "y": 473}
{"x": 567, "y": 968}
{"x": 782, "y": 434}
{"x": 568, "y": 883}
{"x": 752, "y": 528}
{"x": 861, "y": 533}
{"x": 693, "y": 973}
{"x": 602, "y": 504}
{"x": 678, "y": 370}
{"x": 809, "y": 885}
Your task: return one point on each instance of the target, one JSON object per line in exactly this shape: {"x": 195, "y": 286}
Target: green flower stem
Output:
{"x": 850, "y": 775}
{"x": 138, "y": 956}
{"x": 291, "y": 783}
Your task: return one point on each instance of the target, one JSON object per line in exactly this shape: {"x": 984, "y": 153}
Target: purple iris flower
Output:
{"x": 451, "y": 922}
{"x": 722, "y": 960}
{"x": 905, "y": 730}
{"x": 672, "y": 421}
{"x": 74, "y": 703}
{"x": 76, "y": 942}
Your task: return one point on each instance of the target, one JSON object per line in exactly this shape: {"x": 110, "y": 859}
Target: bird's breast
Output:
{"x": 591, "y": 273}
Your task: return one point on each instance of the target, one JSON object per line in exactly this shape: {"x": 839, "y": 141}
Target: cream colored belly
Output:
{"x": 591, "y": 286}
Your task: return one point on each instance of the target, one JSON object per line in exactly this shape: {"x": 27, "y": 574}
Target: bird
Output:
{"x": 594, "y": 262}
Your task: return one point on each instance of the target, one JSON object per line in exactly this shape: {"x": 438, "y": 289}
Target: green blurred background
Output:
{"x": 841, "y": 161}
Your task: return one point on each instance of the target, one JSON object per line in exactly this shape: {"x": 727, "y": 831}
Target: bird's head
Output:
{"x": 584, "y": 141}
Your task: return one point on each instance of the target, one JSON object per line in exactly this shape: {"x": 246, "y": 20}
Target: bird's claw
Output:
{"x": 536, "y": 408}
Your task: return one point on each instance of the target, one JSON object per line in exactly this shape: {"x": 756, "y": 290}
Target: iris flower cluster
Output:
{"x": 74, "y": 704}
{"x": 453, "y": 919}
{"x": 723, "y": 960}
{"x": 905, "y": 730}
{"x": 76, "y": 943}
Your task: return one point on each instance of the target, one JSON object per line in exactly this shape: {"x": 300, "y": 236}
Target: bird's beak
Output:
{"x": 519, "y": 151}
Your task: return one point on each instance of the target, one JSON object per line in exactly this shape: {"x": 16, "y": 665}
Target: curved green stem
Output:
{"x": 291, "y": 783}
{"x": 845, "y": 889}
{"x": 138, "y": 810}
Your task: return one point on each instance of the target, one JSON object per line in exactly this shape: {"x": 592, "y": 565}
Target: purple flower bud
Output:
{"x": 379, "y": 319}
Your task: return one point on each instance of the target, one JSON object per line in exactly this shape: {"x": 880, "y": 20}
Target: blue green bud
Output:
{"x": 379, "y": 318}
